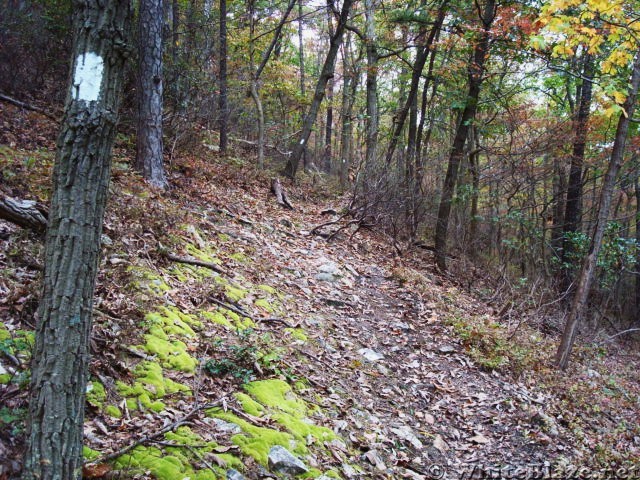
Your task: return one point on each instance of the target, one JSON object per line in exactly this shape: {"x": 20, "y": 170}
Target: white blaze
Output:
{"x": 87, "y": 78}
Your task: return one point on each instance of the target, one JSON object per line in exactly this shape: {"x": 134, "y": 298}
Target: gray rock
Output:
{"x": 281, "y": 460}
{"x": 234, "y": 475}
{"x": 446, "y": 349}
{"x": 225, "y": 427}
{"x": 370, "y": 355}
{"x": 106, "y": 241}
{"x": 326, "y": 277}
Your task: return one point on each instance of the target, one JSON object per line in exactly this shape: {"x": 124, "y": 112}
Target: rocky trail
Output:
{"x": 231, "y": 342}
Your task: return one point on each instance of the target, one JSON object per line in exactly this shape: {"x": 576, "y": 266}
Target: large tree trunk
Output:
{"x": 222, "y": 100}
{"x": 573, "y": 203}
{"x": 149, "y": 138}
{"x": 637, "y": 225}
{"x": 476, "y": 72}
{"x": 80, "y": 179}
{"x": 325, "y": 75}
{"x": 585, "y": 278}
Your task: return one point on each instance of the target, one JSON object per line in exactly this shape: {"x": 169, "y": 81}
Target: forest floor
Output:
{"x": 360, "y": 363}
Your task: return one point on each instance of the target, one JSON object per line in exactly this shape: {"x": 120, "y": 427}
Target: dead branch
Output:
{"x": 26, "y": 106}
{"x": 243, "y": 313}
{"x": 24, "y": 213}
{"x": 255, "y": 144}
{"x": 156, "y": 434}
{"x": 192, "y": 261}
{"x": 281, "y": 195}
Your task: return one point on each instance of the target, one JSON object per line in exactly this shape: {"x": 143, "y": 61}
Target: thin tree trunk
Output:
{"x": 81, "y": 178}
{"x": 349, "y": 89}
{"x": 373, "y": 116}
{"x": 585, "y": 279}
{"x": 302, "y": 75}
{"x": 222, "y": 100}
{"x": 476, "y": 72}
{"x": 637, "y": 225}
{"x": 149, "y": 137}
{"x": 418, "y": 66}
{"x": 325, "y": 75}
{"x": 573, "y": 203}
{"x": 254, "y": 89}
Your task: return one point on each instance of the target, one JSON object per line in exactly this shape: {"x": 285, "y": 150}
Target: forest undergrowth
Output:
{"x": 223, "y": 327}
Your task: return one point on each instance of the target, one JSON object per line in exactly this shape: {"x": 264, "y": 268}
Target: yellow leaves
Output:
{"x": 619, "y": 97}
{"x": 618, "y": 58}
{"x": 562, "y": 50}
{"x": 613, "y": 110}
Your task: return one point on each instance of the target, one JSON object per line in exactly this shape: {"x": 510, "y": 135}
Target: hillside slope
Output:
{"x": 358, "y": 363}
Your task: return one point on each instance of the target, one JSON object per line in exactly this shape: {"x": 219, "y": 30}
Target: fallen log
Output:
{"x": 281, "y": 195}
{"x": 24, "y": 213}
{"x": 26, "y": 106}
{"x": 193, "y": 261}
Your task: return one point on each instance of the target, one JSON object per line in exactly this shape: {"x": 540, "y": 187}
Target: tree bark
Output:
{"x": 475, "y": 77}
{"x": 585, "y": 278}
{"x": 149, "y": 138}
{"x": 24, "y": 213}
{"x": 325, "y": 75}
{"x": 222, "y": 99}
{"x": 573, "y": 203}
{"x": 80, "y": 179}
{"x": 349, "y": 89}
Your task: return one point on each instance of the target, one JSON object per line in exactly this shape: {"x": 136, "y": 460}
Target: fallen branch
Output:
{"x": 242, "y": 313}
{"x": 26, "y": 106}
{"x": 192, "y": 261}
{"x": 24, "y": 213}
{"x": 156, "y": 434}
{"x": 281, "y": 195}
{"x": 255, "y": 144}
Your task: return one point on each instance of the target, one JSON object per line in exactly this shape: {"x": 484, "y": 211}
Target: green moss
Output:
{"x": 176, "y": 463}
{"x": 150, "y": 386}
{"x": 255, "y": 441}
{"x": 235, "y": 294}
{"x": 172, "y": 354}
{"x": 239, "y": 257}
{"x": 113, "y": 411}
{"x": 145, "y": 279}
{"x": 5, "y": 378}
{"x": 249, "y": 405}
{"x": 228, "y": 319}
{"x": 217, "y": 317}
{"x": 277, "y": 394}
{"x": 267, "y": 288}
{"x": 263, "y": 303}
{"x": 206, "y": 255}
{"x": 89, "y": 454}
{"x": 303, "y": 428}
{"x": 223, "y": 237}
{"x": 332, "y": 474}
{"x": 4, "y": 333}
{"x": 312, "y": 473}
{"x": 297, "y": 334}
{"x": 96, "y": 394}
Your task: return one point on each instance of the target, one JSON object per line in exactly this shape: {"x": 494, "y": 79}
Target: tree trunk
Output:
{"x": 149, "y": 138}
{"x": 80, "y": 180}
{"x": 476, "y": 72}
{"x": 302, "y": 76}
{"x": 254, "y": 89}
{"x": 585, "y": 279}
{"x": 222, "y": 100}
{"x": 373, "y": 115}
{"x": 637, "y": 224}
{"x": 418, "y": 66}
{"x": 573, "y": 203}
{"x": 325, "y": 75}
{"x": 349, "y": 89}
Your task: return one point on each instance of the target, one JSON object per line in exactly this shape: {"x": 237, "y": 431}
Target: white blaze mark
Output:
{"x": 87, "y": 78}
{"x": 302, "y": 142}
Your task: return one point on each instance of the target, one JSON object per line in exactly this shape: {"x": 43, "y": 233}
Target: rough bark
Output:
{"x": 349, "y": 89}
{"x": 325, "y": 74}
{"x": 149, "y": 138}
{"x": 80, "y": 179}
{"x": 587, "y": 271}
{"x": 573, "y": 203}
{"x": 222, "y": 99}
{"x": 475, "y": 77}
{"x": 24, "y": 213}
{"x": 637, "y": 225}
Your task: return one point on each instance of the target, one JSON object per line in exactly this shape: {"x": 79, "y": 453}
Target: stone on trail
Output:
{"x": 370, "y": 355}
{"x": 281, "y": 460}
{"x": 233, "y": 474}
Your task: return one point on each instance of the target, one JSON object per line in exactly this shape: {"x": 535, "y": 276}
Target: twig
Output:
{"x": 193, "y": 261}
{"x": 151, "y": 436}
{"x": 242, "y": 313}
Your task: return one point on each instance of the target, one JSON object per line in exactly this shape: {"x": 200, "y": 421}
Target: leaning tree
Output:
{"x": 80, "y": 184}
